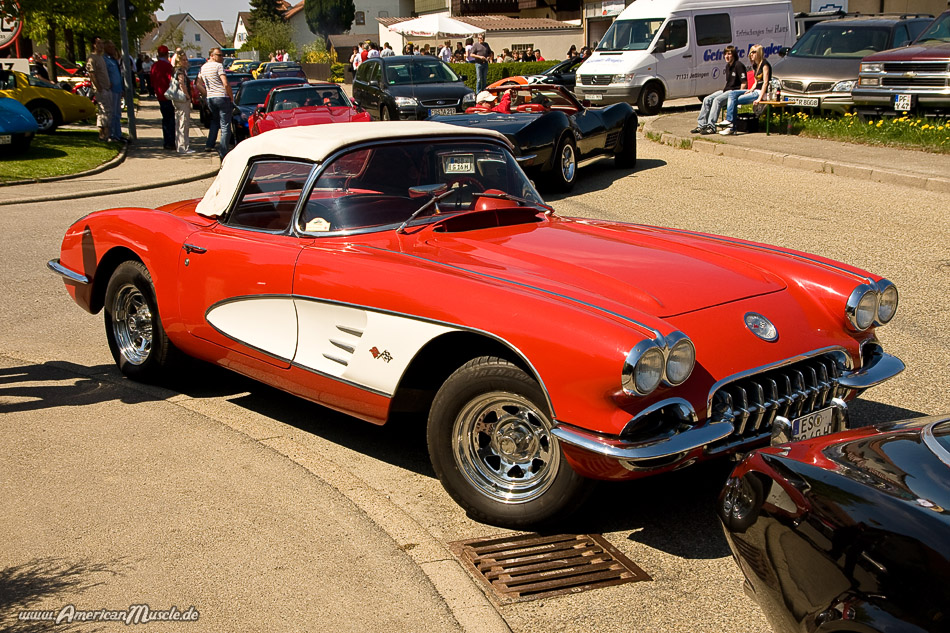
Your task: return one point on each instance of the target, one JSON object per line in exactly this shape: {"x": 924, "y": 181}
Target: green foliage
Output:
{"x": 264, "y": 11}
{"x": 271, "y": 35}
{"x": 316, "y": 53}
{"x": 931, "y": 135}
{"x": 501, "y": 71}
{"x": 338, "y": 72}
{"x": 328, "y": 17}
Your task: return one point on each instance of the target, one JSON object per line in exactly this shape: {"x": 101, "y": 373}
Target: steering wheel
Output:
{"x": 464, "y": 183}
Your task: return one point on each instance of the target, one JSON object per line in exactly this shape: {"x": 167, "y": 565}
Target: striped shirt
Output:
{"x": 210, "y": 74}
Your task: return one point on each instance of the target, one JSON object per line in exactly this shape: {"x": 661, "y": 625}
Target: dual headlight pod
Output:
{"x": 670, "y": 359}
{"x": 872, "y": 304}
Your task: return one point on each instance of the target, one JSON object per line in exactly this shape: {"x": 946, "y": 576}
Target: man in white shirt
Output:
{"x": 213, "y": 83}
{"x": 387, "y": 51}
{"x": 446, "y": 52}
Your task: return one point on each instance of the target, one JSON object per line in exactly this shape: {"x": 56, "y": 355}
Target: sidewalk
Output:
{"x": 880, "y": 164}
{"x": 146, "y": 166}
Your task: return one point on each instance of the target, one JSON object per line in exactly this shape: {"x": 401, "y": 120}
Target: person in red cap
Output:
{"x": 161, "y": 76}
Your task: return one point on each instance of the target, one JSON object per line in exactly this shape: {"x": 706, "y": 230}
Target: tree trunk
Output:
{"x": 51, "y": 51}
{"x": 81, "y": 50}
{"x": 69, "y": 45}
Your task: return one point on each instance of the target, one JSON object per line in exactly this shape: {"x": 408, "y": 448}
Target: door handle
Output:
{"x": 687, "y": 56}
{"x": 191, "y": 248}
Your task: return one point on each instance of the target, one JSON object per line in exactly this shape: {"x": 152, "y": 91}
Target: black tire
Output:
{"x": 46, "y": 114}
{"x": 21, "y": 143}
{"x": 740, "y": 502}
{"x": 651, "y": 99}
{"x": 137, "y": 340}
{"x": 491, "y": 447}
{"x": 385, "y": 113}
{"x": 563, "y": 172}
{"x": 626, "y": 158}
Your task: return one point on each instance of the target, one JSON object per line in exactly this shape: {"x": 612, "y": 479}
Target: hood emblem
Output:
{"x": 760, "y": 326}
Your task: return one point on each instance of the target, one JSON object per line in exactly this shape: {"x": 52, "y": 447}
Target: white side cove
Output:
{"x": 366, "y": 348}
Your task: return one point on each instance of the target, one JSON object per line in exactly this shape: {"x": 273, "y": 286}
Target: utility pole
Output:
{"x": 127, "y": 67}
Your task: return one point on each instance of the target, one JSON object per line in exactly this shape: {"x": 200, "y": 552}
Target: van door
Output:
{"x": 674, "y": 65}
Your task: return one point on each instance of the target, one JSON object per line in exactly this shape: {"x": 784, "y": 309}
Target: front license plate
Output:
{"x": 5, "y": 139}
{"x": 441, "y": 111}
{"x": 902, "y": 103}
{"x": 814, "y": 424}
{"x": 804, "y": 102}
{"x": 594, "y": 97}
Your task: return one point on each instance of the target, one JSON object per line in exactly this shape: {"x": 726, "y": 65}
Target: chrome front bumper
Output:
{"x": 62, "y": 271}
{"x": 878, "y": 367}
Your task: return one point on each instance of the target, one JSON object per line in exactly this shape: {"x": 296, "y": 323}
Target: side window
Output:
{"x": 713, "y": 29}
{"x": 675, "y": 34}
{"x": 900, "y": 35}
{"x": 269, "y": 195}
{"x": 362, "y": 73}
{"x": 916, "y": 28}
{"x": 376, "y": 70}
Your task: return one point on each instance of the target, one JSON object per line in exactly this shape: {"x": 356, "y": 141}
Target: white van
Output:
{"x": 668, "y": 49}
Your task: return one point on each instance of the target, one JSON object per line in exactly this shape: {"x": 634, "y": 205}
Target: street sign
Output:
{"x": 10, "y": 26}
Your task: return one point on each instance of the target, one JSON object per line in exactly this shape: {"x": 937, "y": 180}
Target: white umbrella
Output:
{"x": 435, "y": 26}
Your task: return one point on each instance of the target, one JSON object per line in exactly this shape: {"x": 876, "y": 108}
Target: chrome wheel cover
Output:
{"x": 568, "y": 163}
{"x": 44, "y": 118}
{"x": 503, "y": 446}
{"x": 739, "y": 500}
{"x": 384, "y": 114}
{"x": 132, "y": 324}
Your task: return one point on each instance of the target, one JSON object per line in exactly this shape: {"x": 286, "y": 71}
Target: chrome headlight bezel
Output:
{"x": 469, "y": 97}
{"x": 861, "y": 308}
{"x": 871, "y": 67}
{"x": 888, "y": 296}
{"x": 844, "y": 86}
{"x": 406, "y": 102}
{"x": 633, "y": 367}
{"x": 655, "y": 356}
{"x": 677, "y": 343}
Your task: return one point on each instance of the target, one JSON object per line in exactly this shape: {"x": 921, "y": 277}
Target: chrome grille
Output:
{"x": 596, "y": 80}
{"x": 797, "y": 86}
{"x": 751, "y": 403}
{"x": 820, "y": 86}
{"x": 914, "y": 82}
{"x": 917, "y": 67}
{"x": 440, "y": 103}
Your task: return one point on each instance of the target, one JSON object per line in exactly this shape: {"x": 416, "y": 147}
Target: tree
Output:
{"x": 175, "y": 38}
{"x": 270, "y": 35}
{"x": 266, "y": 11}
{"x": 328, "y": 17}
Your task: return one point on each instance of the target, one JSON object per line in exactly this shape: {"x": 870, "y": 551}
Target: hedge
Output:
{"x": 501, "y": 71}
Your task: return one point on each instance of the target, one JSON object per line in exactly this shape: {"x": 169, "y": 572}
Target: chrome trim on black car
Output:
{"x": 931, "y": 441}
{"x": 61, "y": 270}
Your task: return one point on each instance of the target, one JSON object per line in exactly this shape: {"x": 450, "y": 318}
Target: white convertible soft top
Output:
{"x": 315, "y": 143}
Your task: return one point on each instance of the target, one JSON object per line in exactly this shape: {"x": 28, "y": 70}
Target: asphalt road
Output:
{"x": 66, "y": 410}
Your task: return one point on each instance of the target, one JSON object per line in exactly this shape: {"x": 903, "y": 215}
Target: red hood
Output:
{"x": 311, "y": 115}
{"x": 927, "y": 51}
{"x": 613, "y": 266}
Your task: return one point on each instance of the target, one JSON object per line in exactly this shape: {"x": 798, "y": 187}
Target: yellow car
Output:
{"x": 49, "y": 104}
{"x": 255, "y": 68}
{"x": 243, "y": 65}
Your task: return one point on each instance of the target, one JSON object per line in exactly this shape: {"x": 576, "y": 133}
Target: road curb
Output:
{"x": 113, "y": 162}
{"x": 861, "y": 172}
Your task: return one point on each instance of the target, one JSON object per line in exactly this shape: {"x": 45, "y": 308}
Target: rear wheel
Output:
{"x": 490, "y": 443}
{"x": 627, "y": 156}
{"x": 651, "y": 99}
{"x": 564, "y": 171}
{"x": 137, "y": 340}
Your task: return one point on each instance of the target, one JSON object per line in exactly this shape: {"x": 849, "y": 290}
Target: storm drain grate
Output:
{"x": 528, "y": 567}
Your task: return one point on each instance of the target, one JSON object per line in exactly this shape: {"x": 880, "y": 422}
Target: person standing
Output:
{"x": 182, "y": 108}
{"x": 162, "y": 78}
{"x": 754, "y": 94}
{"x": 481, "y": 55}
{"x": 218, "y": 92}
{"x": 537, "y": 55}
{"x": 712, "y": 104}
{"x": 115, "y": 92}
{"x": 99, "y": 76}
{"x": 147, "y": 74}
{"x": 445, "y": 53}
{"x": 373, "y": 51}
{"x": 387, "y": 50}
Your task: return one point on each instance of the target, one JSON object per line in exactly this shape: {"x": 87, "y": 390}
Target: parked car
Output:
{"x": 821, "y": 68}
{"x": 204, "y": 112}
{"x": 551, "y": 131}
{"x": 281, "y": 69}
{"x": 251, "y": 95}
{"x": 242, "y": 66}
{"x": 298, "y": 105}
{"x": 410, "y": 87}
{"x": 561, "y": 74}
{"x": 411, "y": 269}
{"x": 911, "y": 79}
{"x": 17, "y": 127}
{"x": 847, "y": 532}
{"x": 49, "y": 104}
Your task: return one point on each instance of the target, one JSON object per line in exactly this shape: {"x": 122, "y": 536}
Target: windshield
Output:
{"x": 630, "y": 35}
{"x": 287, "y": 99}
{"x": 939, "y": 30}
{"x": 419, "y": 71}
{"x": 370, "y": 188}
{"x": 841, "y": 41}
{"x": 254, "y": 93}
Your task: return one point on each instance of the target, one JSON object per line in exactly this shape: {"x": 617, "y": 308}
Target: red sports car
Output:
{"x": 412, "y": 268}
{"x": 308, "y": 104}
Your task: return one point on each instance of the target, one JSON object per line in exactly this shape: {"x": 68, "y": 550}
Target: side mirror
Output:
{"x": 782, "y": 52}
{"x": 259, "y": 110}
{"x": 902, "y": 44}
{"x": 660, "y": 46}
{"x": 463, "y": 77}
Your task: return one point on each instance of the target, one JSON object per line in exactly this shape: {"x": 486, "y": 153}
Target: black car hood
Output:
{"x": 454, "y": 90}
{"x": 507, "y": 124}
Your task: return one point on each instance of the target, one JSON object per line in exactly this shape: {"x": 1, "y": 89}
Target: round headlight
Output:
{"x": 643, "y": 369}
{"x": 887, "y": 307}
{"x": 680, "y": 361}
{"x": 862, "y": 306}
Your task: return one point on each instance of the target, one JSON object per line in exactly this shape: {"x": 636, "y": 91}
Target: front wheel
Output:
{"x": 46, "y": 115}
{"x": 491, "y": 446}
{"x": 650, "y": 100}
{"x": 137, "y": 340}
{"x": 385, "y": 114}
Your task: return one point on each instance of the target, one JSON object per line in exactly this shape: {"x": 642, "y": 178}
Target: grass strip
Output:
{"x": 62, "y": 153}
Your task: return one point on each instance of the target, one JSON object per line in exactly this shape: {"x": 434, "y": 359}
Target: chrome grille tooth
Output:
{"x": 798, "y": 383}
{"x": 812, "y": 389}
{"x": 787, "y": 396}
{"x": 743, "y": 410}
{"x": 825, "y": 383}
{"x": 773, "y": 403}
{"x": 761, "y": 405}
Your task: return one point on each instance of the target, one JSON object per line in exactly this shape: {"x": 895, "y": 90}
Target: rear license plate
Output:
{"x": 804, "y": 102}
{"x": 902, "y": 103}
{"x": 814, "y": 424}
{"x": 441, "y": 111}
{"x": 5, "y": 139}
{"x": 459, "y": 164}
{"x": 594, "y": 97}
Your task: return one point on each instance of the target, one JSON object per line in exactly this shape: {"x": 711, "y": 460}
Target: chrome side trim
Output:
{"x": 931, "y": 442}
{"x": 350, "y": 330}
{"x": 878, "y": 368}
{"x": 616, "y": 448}
{"x": 61, "y": 270}
{"x": 336, "y": 360}
{"x": 343, "y": 346}
{"x": 524, "y": 159}
{"x": 687, "y": 413}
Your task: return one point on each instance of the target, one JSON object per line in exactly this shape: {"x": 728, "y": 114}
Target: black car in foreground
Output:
{"x": 848, "y": 531}
{"x": 552, "y": 131}
{"x": 410, "y": 87}
{"x": 252, "y": 94}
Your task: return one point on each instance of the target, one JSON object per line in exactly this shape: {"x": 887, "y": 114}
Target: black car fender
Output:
{"x": 542, "y": 135}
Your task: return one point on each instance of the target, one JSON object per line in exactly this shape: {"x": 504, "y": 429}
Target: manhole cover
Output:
{"x": 529, "y": 566}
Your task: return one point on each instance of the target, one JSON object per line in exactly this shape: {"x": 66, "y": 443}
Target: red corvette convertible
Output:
{"x": 412, "y": 268}
{"x": 308, "y": 104}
